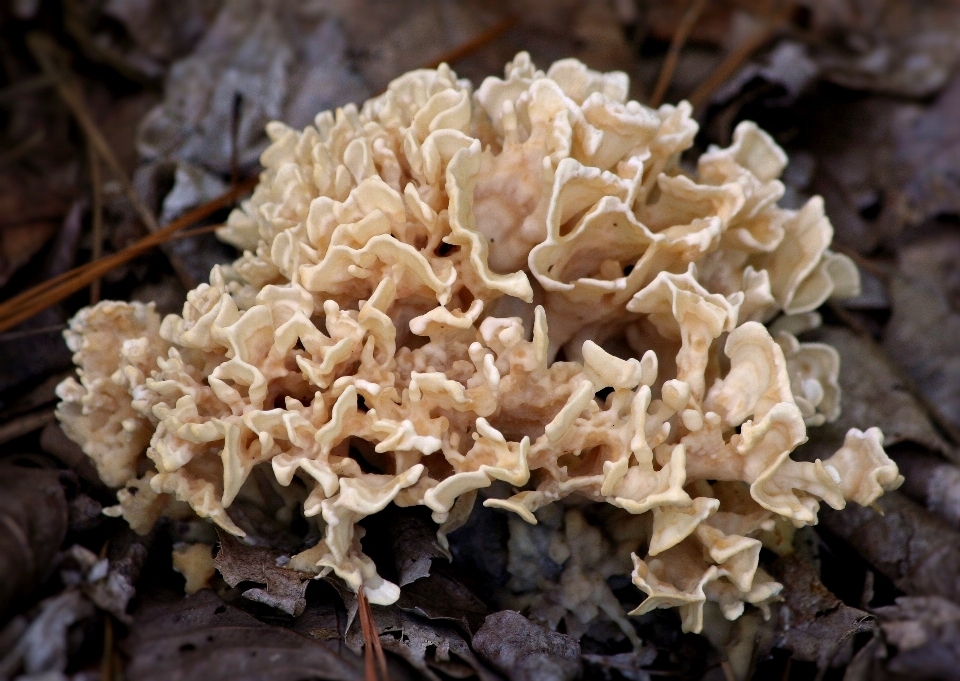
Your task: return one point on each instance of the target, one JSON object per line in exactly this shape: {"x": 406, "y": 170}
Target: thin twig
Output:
{"x": 872, "y": 266}
{"x": 375, "y": 662}
{"x": 369, "y": 667}
{"x": 106, "y": 660}
{"x": 15, "y": 335}
{"x": 689, "y": 20}
{"x": 23, "y": 425}
{"x": 732, "y": 63}
{"x": 196, "y": 231}
{"x": 98, "y": 50}
{"x": 25, "y": 87}
{"x": 472, "y": 46}
{"x": 32, "y": 301}
{"x": 234, "y": 138}
{"x": 96, "y": 187}
{"x": 23, "y": 147}
{"x": 44, "y": 51}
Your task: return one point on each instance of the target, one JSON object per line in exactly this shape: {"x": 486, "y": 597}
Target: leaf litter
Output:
{"x": 862, "y": 94}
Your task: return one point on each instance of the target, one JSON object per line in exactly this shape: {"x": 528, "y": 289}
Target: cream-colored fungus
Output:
{"x": 449, "y": 287}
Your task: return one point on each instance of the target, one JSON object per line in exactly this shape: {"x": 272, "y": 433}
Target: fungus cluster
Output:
{"x": 524, "y": 283}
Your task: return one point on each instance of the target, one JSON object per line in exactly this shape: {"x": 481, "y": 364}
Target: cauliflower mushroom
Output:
{"x": 446, "y": 287}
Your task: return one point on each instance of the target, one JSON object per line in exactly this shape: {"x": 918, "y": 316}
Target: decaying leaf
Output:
{"x": 631, "y": 666}
{"x": 44, "y": 646}
{"x": 914, "y": 548}
{"x": 283, "y": 588}
{"x": 928, "y": 151}
{"x": 282, "y": 62}
{"x": 526, "y": 651}
{"x": 933, "y": 482}
{"x": 203, "y": 638}
{"x": 926, "y": 632}
{"x": 162, "y": 31}
{"x": 429, "y": 646}
{"x": 126, "y": 555}
{"x": 33, "y": 523}
{"x": 415, "y": 545}
{"x": 906, "y": 49}
{"x": 872, "y": 392}
{"x": 812, "y": 623}
{"x": 923, "y": 333}
{"x": 441, "y": 597}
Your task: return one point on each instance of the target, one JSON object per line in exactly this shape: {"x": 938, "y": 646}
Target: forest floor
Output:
{"x": 119, "y": 115}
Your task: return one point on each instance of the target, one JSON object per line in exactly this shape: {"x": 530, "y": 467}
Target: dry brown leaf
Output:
{"x": 923, "y": 333}
{"x": 911, "y": 546}
{"x": 526, "y": 651}
{"x": 441, "y": 597}
{"x": 872, "y": 394}
{"x": 283, "y": 588}
{"x": 931, "y": 481}
{"x": 203, "y": 638}
{"x": 812, "y": 623}
{"x": 33, "y": 523}
{"x": 905, "y": 49}
{"x": 415, "y": 544}
{"x": 926, "y": 632}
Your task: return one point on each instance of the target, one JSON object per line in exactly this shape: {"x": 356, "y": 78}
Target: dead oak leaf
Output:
{"x": 283, "y": 588}
{"x": 926, "y": 632}
{"x": 923, "y": 333}
{"x": 203, "y": 638}
{"x": 33, "y": 523}
{"x": 813, "y": 624}
{"x": 526, "y": 651}
{"x": 873, "y": 392}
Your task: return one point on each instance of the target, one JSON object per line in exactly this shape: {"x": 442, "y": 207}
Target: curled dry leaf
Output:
{"x": 202, "y": 638}
{"x": 44, "y": 647}
{"x": 926, "y": 632}
{"x": 525, "y": 651}
{"x": 887, "y": 46}
{"x": 927, "y": 153}
{"x": 283, "y": 588}
{"x": 33, "y": 523}
{"x": 415, "y": 544}
{"x": 812, "y": 623}
{"x": 429, "y": 646}
{"x": 440, "y": 596}
{"x": 126, "y": 555}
